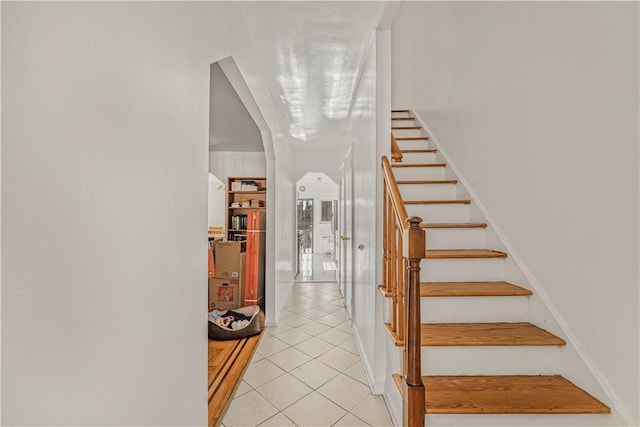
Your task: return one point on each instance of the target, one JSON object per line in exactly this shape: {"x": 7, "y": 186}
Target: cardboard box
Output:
{"x": 227, "y": 260}
{"x": 225, "y": 293}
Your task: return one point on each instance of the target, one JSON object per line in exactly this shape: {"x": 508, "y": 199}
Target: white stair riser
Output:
{"x": 418, "y": 157}
{"x": 406, "y": 132}
{"x": 520, "y": 420}
{"x": 407, "y": 174}
{"x": 404, "y": 122}
{"x": 491, "y": 360}
{"x": 455, "y": 238}
{"x": 448, "y": 212}
{"x": 428, "y": 191}
{"x": 402, "y": 114}
{"x": 419, "y": 144}
{"x": 462, "y": 270}
{"x": 473, "y": 309}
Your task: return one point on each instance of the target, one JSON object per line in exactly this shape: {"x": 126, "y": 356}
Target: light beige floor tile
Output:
{"x": 284, "y": 391}
{"x": 374, "y": 411}
{"x": 249, "y": 409}
{"x": 278, "y": 420}
{"x": 350, "y": 420}
{"x": 339, "y": 359}
{"x": 315, "y": 328}
{"x": 296, "y": 320}
{"x": 314, "y": 373}
{"x": 243, "y": 388}
{"x": 333, "y": 307}
{"x": 270, "y": 345}
{"x": 314, "y": 346}
{"x": 350, "y": 345}
{"x": 335, "y": 337}
{"x": 289, "y": 359}
{"x": 357, "y": 373}
{"x": 275, "y": 330}
{"x": 256, "y": 357}
{"x": 314, "y": 410}
{"x": 345, "y": 391}
{"x": 261, "y": 373}
{"x": 315, "y": 321}
{"x": 314, "y": 313}
{"x": 294, "y": 336}
{"x": 294, "y": 309}
{"x": 332, "y": 320}
{"x": 345, "y": 327}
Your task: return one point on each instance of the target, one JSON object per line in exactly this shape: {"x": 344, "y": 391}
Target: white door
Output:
{"x": 346, "y": 230}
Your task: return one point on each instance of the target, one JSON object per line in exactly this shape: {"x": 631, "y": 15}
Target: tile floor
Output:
{"x": 317, "y": 268}
{"x": 307, "y": 371}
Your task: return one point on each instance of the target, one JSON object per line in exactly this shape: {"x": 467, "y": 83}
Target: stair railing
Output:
{"x": 396, "y": 154}
{"x": 403, "y": 248}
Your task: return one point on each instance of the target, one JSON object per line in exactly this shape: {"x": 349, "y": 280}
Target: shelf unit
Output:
{"x": 236, "y": 215}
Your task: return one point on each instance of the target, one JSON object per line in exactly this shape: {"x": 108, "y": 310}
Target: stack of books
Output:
{"x": 249, "y": 186}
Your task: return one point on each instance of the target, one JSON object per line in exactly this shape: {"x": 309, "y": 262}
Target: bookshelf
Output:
{"x": 243, "y": 194}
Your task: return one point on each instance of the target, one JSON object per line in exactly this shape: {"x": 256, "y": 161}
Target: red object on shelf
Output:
{"x": 254, "y": 273}
{"x": 212, "y": 269}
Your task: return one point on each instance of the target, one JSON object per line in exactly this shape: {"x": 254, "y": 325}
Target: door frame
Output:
{"x": 345, "y": 228}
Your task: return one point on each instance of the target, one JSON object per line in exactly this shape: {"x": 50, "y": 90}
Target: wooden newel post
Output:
{"x": 414, "y": 393}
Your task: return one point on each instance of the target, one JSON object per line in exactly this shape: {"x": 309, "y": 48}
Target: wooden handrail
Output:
{"x": 404, "y": 244}
{"x": 414, "y": 403}
{"x": 396, "y": 154}
{"x": 394, "y": 194}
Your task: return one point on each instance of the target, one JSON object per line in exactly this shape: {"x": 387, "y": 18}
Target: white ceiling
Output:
{"x": 311, "y": 55}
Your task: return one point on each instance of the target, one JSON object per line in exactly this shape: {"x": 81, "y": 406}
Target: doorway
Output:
{"x": 316, "y": 201}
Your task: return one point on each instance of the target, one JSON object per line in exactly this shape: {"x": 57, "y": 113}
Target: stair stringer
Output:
{"x": 576, "y": 364}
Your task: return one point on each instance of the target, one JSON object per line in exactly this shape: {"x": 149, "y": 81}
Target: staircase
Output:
{"x": 466, "y": 345}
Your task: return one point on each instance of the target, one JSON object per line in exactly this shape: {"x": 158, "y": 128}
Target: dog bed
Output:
{"x": 252, "y": 313}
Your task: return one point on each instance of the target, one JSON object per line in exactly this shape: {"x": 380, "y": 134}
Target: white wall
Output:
{"x": 217, "y": 202}
{"x": 224, "y": 164}
{"x": 537, "y": 104}
{"x": 323, "y": 157}
{"x": 362, "y": 126}
{"x": 104, "y": 190}
{"x": 285, "y": 242}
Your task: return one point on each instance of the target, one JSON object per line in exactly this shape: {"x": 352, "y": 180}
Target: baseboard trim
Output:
{"x": 376, "y": 387}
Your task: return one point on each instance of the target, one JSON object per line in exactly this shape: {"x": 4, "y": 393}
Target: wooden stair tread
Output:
{"x": 400, "y": 111}
{"x": 429, "y": 181}
{"x": 491, "y": 334}
{"x": 418, "y": 165}
{"x": 403, "y": 118}
{"x": 406, "y": 128}
{"x": 480, "y": 334}
{"x": 506, "y": 394}
{"x": 438, "y": 202}
{"x": 471, "y": 289}
{"x": 412, "y": 138}
{"x": 426, "y": 150}
{"x": 453, "y": 224}
{"x": 462, "y": 253}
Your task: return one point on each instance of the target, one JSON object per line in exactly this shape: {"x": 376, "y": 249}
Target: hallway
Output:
{"x": 307, "y": 371}
{"x": 316, "y": 268}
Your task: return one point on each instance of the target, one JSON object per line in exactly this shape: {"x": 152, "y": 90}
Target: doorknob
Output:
{"x": 343, "y": 238}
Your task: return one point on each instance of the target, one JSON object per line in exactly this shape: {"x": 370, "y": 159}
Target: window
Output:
{"x": 326, "y": 214}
